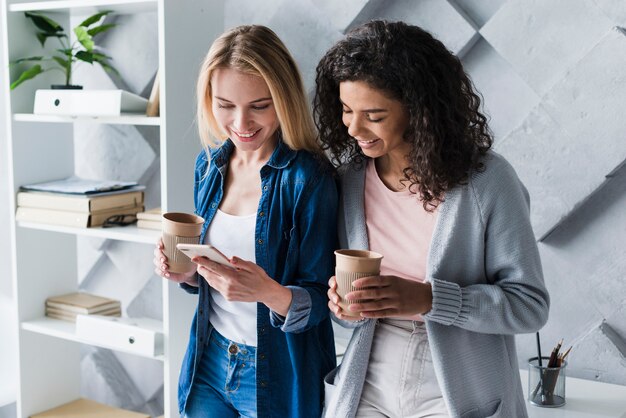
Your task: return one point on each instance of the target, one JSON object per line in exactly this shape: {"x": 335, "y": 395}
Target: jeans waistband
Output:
{"x": 232, "y": 347}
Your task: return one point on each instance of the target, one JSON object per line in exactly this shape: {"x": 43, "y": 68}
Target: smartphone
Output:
{"x": 204, "y": 250}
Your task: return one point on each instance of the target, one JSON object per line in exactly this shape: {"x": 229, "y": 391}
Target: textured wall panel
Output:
{"x": 479, "y": 11}
{"x": 436, "y": 16}
{"x": 566, "y": 147}
{"x": 507, "y": 98}
{"x": 340, "y": 13}
{"x": 542, "y": 39}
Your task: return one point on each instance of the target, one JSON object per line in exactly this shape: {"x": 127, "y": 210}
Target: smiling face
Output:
{"x": 374, "y": 120}
{"x": 243, "y": 108}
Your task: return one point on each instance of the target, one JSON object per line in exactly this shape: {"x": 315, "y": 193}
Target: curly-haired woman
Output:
{"x": 461, "y": 272}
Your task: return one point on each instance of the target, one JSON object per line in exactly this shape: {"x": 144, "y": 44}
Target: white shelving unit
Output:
{"x": 44, "y": 260}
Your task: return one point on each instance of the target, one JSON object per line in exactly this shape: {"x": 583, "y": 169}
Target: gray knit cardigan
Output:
{"x": 487, "y": 285}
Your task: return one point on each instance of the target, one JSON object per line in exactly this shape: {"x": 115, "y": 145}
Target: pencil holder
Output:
{"x": 546, "y": 385}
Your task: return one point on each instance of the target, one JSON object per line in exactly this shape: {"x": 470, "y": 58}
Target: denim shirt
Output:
{"x": 295, "y": 236}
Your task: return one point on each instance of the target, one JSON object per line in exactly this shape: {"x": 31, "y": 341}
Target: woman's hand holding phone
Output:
{"x": 244, "y": 281}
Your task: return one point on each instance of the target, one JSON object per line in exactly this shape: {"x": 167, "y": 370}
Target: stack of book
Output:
{"x": 78, "y": 202}
{"x": 150, "y": 219}
{"x": 66, "y": 307}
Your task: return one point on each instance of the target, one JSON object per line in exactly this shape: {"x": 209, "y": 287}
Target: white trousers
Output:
{"x": 400, "y": 380}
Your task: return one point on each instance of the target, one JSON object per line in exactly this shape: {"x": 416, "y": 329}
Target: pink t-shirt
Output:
{"x": 398, "y": 227}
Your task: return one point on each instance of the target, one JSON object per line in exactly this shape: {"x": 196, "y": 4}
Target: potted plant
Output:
{"x": 82, "y": 49}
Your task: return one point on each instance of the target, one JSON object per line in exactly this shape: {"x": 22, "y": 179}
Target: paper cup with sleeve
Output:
{"x": 351, "y": 265}
{"x": 178, "y": 227}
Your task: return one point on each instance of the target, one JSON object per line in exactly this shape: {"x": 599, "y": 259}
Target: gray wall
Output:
{"x": 553, "y": 81}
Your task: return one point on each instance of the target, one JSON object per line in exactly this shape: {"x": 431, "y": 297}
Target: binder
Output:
{"x": 133, "y": 335}
{"x": 88, "y": 102}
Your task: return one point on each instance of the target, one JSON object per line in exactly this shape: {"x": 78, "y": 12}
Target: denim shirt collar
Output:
{"x": 280, "y": 158}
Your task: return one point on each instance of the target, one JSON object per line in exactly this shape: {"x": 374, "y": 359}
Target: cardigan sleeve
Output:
{"x": 512, "y": 298}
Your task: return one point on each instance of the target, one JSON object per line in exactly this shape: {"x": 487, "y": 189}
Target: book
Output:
{"x": 73, "y": 219}
{"x": 112, "y": 311}
{"x": 123, "y": 199}
{"x": 85, "y": 408}
{"x": 150, "y": 215}
{"x": 88, "y": 102}
{"x": 81, "y": 302}
{"x": 81, "y": 186}
{"x": 71, "y": 316}
{"x": 145, "y": 224}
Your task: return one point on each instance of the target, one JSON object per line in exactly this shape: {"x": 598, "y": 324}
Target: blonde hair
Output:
{"x": 257, "y": 50}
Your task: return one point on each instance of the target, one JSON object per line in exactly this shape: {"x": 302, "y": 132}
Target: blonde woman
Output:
{"x": 261, "y": 340}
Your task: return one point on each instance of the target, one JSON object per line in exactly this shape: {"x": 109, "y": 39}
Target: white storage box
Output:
{"x": 143, "y": 336}
{"x": 88, "y": 102}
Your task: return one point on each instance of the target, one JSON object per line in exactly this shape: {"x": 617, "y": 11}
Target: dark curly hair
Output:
{"x": 447, "y": 131}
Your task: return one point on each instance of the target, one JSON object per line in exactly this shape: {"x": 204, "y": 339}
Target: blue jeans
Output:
{"x": 225, "y": 381}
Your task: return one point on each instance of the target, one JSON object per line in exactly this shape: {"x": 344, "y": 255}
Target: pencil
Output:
{"x": 566, "y": 353}
{"x": 555, "y": 353}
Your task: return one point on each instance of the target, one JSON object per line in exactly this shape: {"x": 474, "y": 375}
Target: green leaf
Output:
{"x": 84, "y": 38}
{"x": 98, "y": 56}
{"x": 27, "y": 75}
{"x": 100, "y": 29}
{"x": 66, "y": 51}
{"x": 42, "y": 37}
{"x": 62, "y": 62}
{"x": 44, "y": 23}
{"x": 93, "y": 19}
{"x": 85, "y": 56}
{"x": 26, "y": 59}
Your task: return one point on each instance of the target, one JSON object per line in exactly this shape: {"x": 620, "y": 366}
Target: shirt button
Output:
{"x": 262, "y": 330}
{"x": 263, "y": 384}
{"x": 262, "y": 356}
{"x": 213, "y": 205}
{"x": 200, "y": 312}
{"x": 264, "y": 187}
{"x": 260, "y": 241}
{"x": 261, "y": 214}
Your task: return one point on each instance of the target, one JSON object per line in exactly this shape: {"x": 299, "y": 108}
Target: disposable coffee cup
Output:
{"x": 178, "y": 227}
{"x": 351, "y": 265}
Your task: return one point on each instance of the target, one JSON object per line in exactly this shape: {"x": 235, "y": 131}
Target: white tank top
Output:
{"x": 233, "y": 235}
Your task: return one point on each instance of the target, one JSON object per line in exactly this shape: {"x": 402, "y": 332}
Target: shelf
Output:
{"x": 120, "y": 6}
{"x": 67, "y": 331}
{"x": 122, "y": 233}
{"x": 127, "y": 119}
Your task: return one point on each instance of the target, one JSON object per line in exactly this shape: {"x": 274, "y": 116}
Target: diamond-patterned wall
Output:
{"x": 554, "y": 84}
